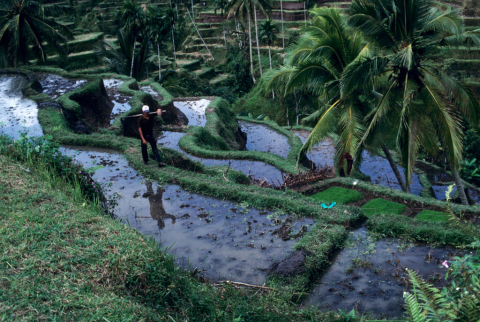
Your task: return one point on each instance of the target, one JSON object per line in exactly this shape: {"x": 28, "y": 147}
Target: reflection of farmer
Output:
{"x": 145, "y": 129}
{"x": 156, "y": 206}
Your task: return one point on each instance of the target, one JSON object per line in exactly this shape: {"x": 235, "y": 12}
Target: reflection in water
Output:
{"x": 262, "y": 138}
{"x": 17, "y": 114}
{"x": 121, "y": 102}
{"x": 226, "y": 239}
{"x": 256, "y": 169}
{"x": 54, "y": 85}
{"x": 156, "y": 205}
{"x": 369, "y": 275}
{"x": 194, "y": 111}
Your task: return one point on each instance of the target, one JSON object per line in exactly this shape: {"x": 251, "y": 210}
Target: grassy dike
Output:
{"x": 220, "y": 121}
{"x": 65, "y": 260}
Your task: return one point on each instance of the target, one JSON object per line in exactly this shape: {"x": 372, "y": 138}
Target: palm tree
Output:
{"x": 157, "y": 29}
{"x": 133, "y": 19}
{"x": 246, "y": 9}
{"x": 315, "y": 64}
{"x": 267, "y": 33}
{"x": 419, "y": 101}
{"x": 119, "y": 57}
{"x": 25, "y": 29}
{"x": 170, "y": 21}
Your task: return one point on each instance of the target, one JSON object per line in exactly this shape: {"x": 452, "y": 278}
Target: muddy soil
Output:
{"x": 370, "y": 275}
{"x": 254, "y": 169}
{"x": 55, "y": 86}
{"x": 223, "y": 239}
{"x": 261, "y": 138}
{"x": 17, "y": 114}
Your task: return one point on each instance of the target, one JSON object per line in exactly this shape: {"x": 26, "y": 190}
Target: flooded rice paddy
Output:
{"x": 369, "y": 275}
{"x": 55, "y": 86}
{"x": 255, "y": 169}
{"x": 194, "y": 111}
{"x": 262, "y": 138}
{"x": 228, "y": 240}
{"x": 223, "y": 239}
{"x": 17, "y": 114}
{"x": 121, "y": 102}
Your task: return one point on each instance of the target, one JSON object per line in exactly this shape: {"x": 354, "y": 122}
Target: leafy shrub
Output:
{"x": 41, "y": 153}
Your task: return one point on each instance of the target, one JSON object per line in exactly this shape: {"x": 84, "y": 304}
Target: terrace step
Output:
{"x": 205, "y": 73}
{"x": 219, "y": 79}
{"x": 188, "y": 64}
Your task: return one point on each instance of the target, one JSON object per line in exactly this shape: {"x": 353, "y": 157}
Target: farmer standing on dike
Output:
{"x": 145, "y": 129}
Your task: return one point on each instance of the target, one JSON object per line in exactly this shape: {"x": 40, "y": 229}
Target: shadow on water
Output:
{"x": 226, "y": 239}
{"x": 17, "y": 114}
{"x": 370, "y": 275}
{"x": 256, "y": 169}
{"x": 261, "y": 138}
{"x": 55, "y": 86}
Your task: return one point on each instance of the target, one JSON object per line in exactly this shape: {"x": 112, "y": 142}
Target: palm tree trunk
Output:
{"x": 394, "y": 167}
{"x": 459, "y": 184}
{"x": 250, "y": 42}
{"x": 305, "y": 11}
{"x": 256, "y": 38}
{"x": 283, "y": 32}
{"x": 133, "y": 54}
{"x": 193, "y": 11}
{"x": 173, "y": 40}
{"x": 159, "y": 64}
{"x": 270, "y": 56}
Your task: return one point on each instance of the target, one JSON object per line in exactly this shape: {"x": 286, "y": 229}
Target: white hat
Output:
{"x": 145, "y": 109}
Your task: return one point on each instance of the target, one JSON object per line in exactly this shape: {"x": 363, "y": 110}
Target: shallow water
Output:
{"x": 381, "y": 173}
{"x": 194, "y": 111}
{"x": 256, "y": 169}
{"x": 17, "y": 114}
{"x": 121, "y": 102}
{"x": 369, "y": 275}
{"x": 229, "y": 241}
{"x": 261, "y": 138}
{"x": 54, "y": 85}
{"x": 322, "y": 154}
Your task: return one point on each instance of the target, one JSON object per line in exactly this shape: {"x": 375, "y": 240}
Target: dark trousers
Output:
{"x": 153, "y": 143}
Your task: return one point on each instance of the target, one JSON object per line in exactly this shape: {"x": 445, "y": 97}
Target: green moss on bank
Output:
{"x": 338, "y": 195}
{"x": 382, "y": 206}
{"x": 433, "y": 216}
{"x": 398, "y": 226}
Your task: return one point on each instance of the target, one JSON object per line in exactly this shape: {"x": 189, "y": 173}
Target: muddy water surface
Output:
{"x": 322, "y": 154}
{"x": 54, "y": 85}
{"x": 194, "y": 111}
{"x": 16, "y": 113}
{"x": 121, "y": 102}
{"x": 262, "y": 138}
{"x": 256, "y": 169}
{"x": 226, "y": 239}
{"x": 370, "y": 275}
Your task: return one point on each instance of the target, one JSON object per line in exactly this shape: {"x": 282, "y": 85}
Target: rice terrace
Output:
{"x": 239, "y": 160}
